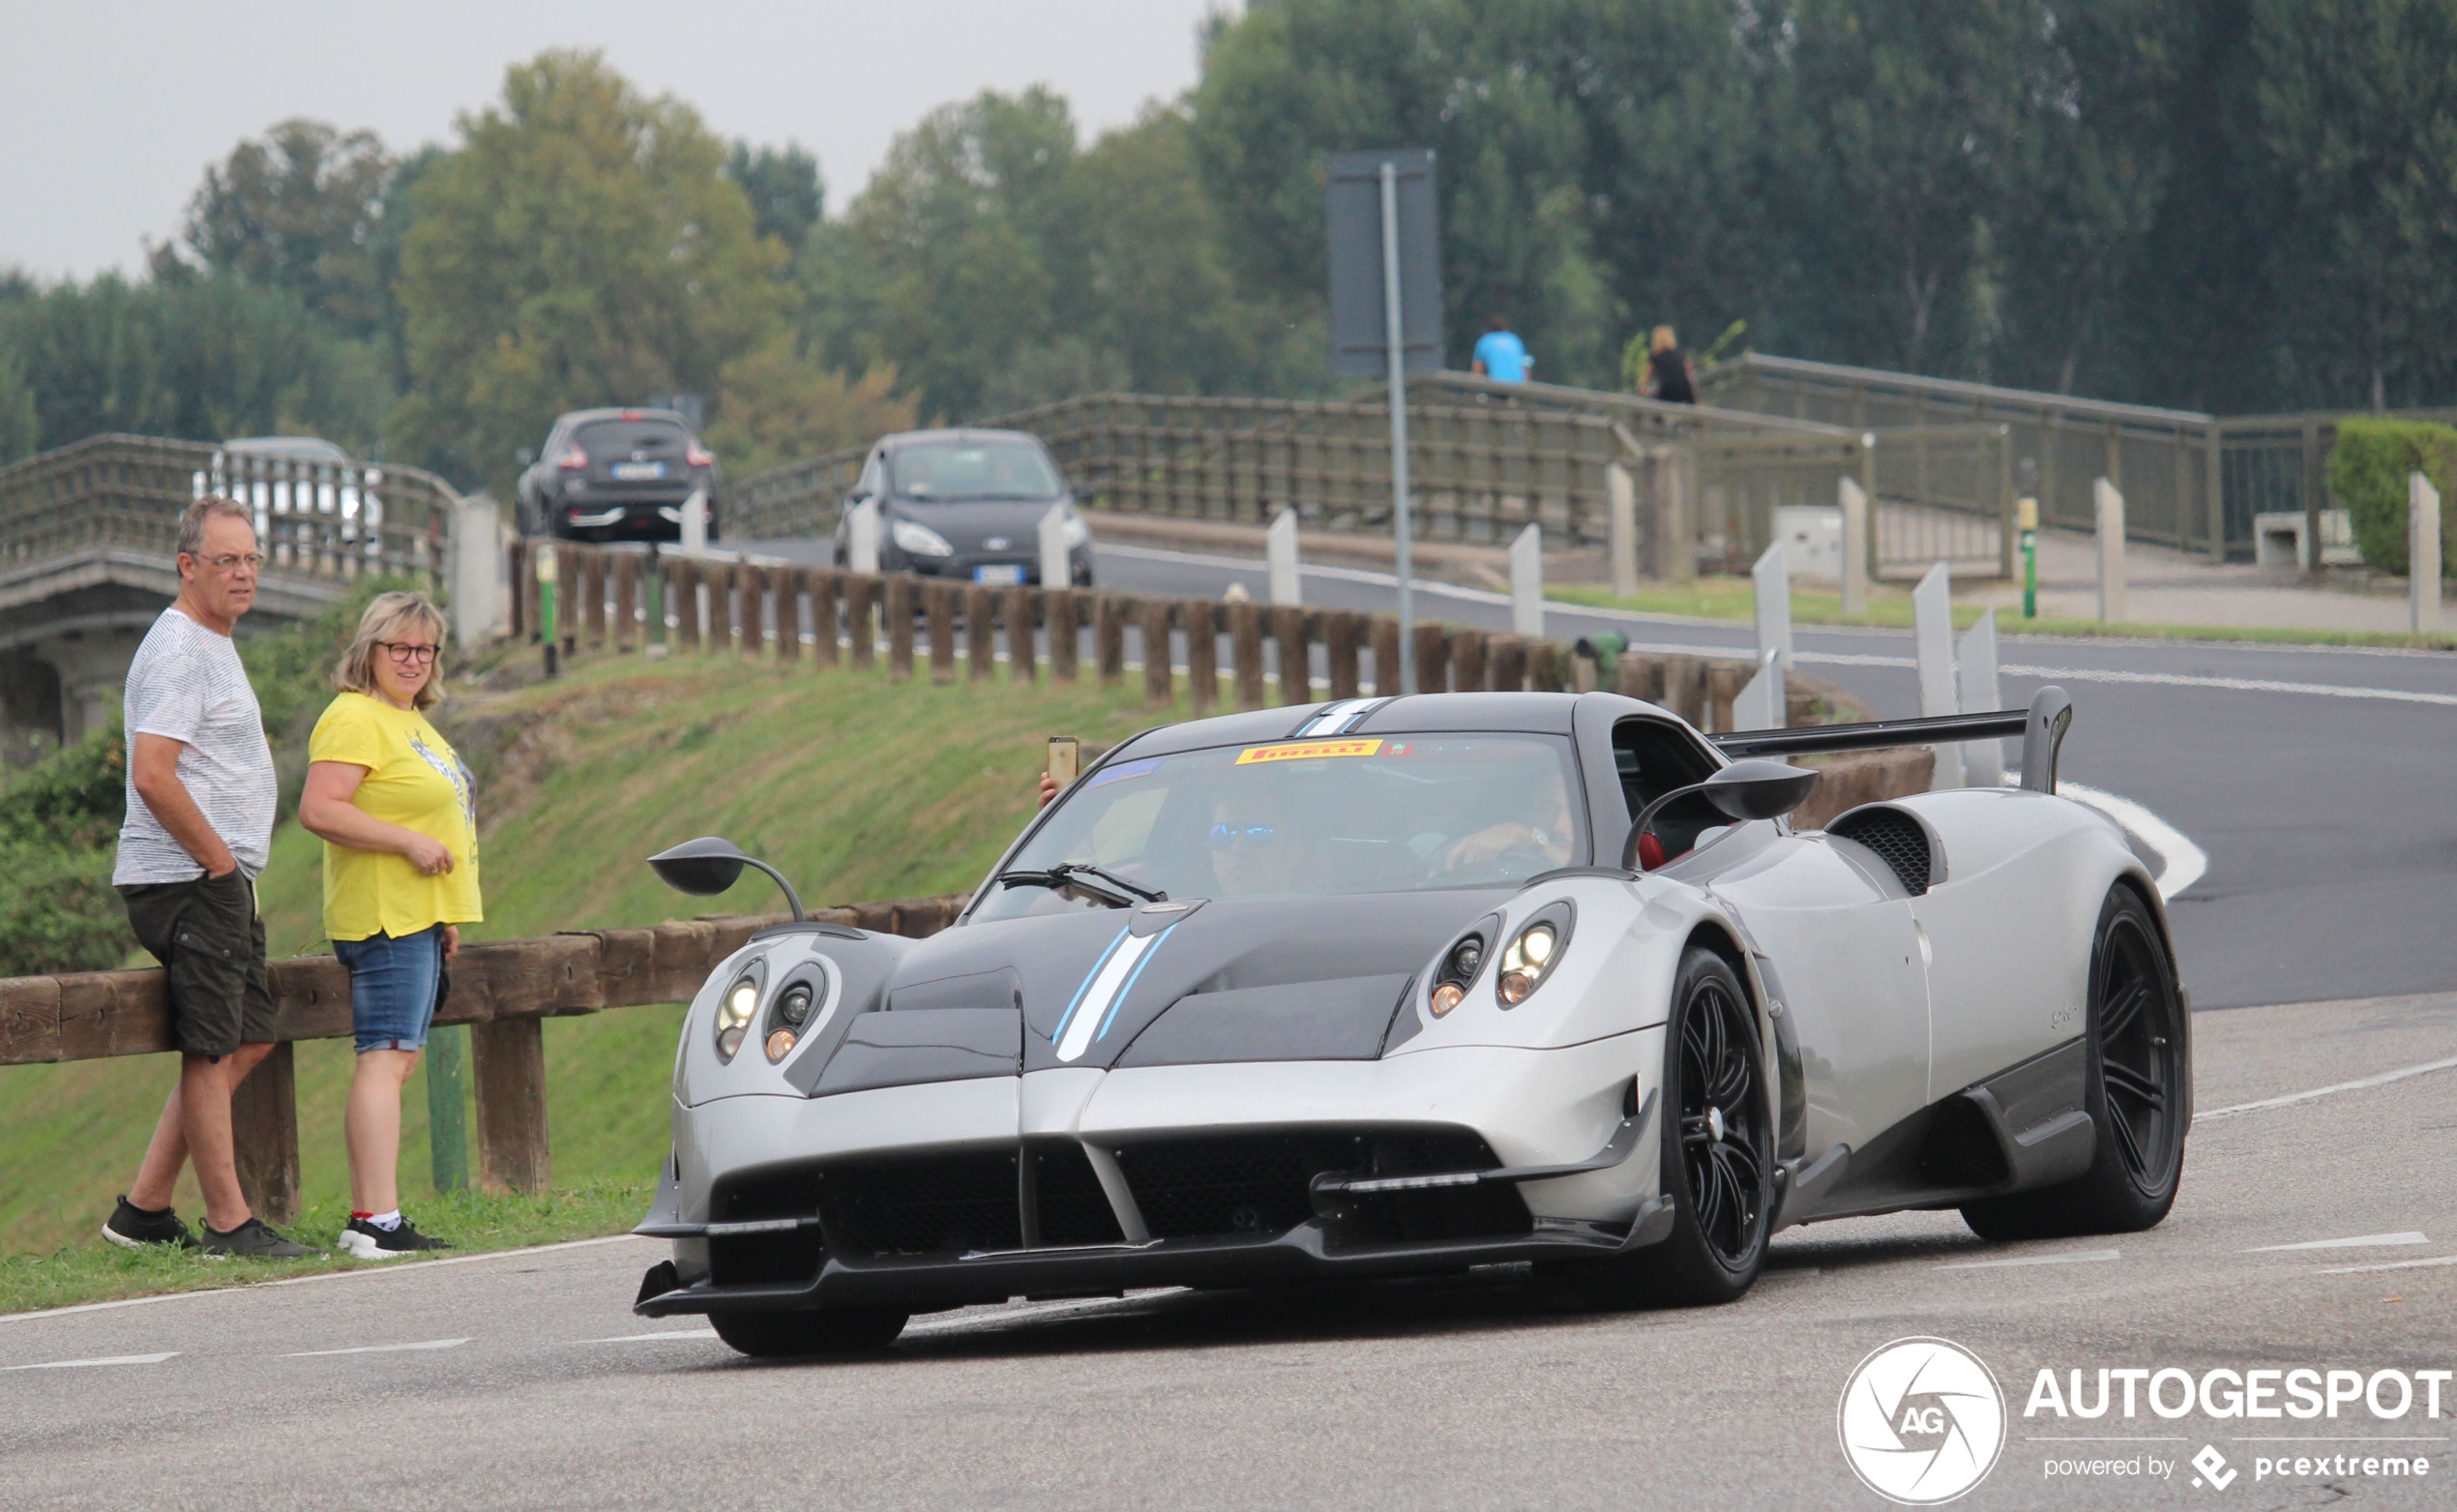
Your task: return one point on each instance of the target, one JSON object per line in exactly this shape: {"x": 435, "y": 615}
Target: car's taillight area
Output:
{"x": 572, "y": 460}
{"x": 698, "y": 455}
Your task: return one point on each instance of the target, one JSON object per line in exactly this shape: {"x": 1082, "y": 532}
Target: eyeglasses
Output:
{"x": 406, "y": 652}
{"x": 250, "y": 560}
{"x": 1224, "y": 837}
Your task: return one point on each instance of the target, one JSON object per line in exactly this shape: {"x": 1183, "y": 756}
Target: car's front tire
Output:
{"x": 831, "y": 1330}
{"x": 1718, "y": 1152}
{"x": 2134, "y": 1088}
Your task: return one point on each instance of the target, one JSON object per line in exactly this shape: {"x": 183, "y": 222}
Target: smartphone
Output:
{"x": 1066, "y": 759}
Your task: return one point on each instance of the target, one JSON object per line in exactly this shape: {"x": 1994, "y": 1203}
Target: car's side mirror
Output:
{"x": 1743, "y": 791}
{"x": 709, "y": 865}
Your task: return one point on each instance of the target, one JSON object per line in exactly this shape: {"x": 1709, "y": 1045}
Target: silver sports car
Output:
{"x": 1403, "y": 986}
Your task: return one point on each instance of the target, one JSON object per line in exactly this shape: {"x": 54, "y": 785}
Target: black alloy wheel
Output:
{"x": 1717, "y": 1152}
{"x": 2136, "y": 1089}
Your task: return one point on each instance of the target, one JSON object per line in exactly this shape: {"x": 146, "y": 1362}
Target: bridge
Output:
{"x": 89, "y": 538}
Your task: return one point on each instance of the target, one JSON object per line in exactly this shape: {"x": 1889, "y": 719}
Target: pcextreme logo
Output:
{"x": 1922, "y": 1421}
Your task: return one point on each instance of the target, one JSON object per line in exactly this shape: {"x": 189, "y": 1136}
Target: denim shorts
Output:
{"x": 392, "y": 984}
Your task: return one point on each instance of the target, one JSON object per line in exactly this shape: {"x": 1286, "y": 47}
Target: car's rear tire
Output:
{"x": 1718, "y": 1154}
{"x": 2134, "y": 1088}
{"x": 831, "y": 1330}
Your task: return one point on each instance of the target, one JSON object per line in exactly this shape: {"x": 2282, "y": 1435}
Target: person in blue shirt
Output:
{"x": 1500, "y": 355}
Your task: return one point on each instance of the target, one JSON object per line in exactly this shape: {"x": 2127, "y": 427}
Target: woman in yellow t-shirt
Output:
{"x": 399, "y": 823}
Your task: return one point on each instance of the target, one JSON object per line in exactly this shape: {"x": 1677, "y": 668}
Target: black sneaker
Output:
{"x": 132, "y": 1228}
{"x": 367, "y": 1241}
{"x": 252, "y": 1240}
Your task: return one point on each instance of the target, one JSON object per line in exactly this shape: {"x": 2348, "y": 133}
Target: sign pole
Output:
{"x": 1395, "y": 350}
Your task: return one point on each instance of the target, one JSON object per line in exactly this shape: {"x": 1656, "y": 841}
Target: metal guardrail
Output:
{"x": 314, "y": 519}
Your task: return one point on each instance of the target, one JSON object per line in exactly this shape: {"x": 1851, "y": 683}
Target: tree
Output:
{"x": 299, "y": 210}
{"x": 776, "y": 407}
{"x": 784, "y": 187}
{"x": 582, "y": 246}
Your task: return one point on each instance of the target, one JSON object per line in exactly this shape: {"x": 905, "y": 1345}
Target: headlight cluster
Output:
{"x": 736, "y": 1009}
{"x": 1530, "y": 957}
{"x": 786, "y": 1021}
{"x": 918, "y": 538}
{"x": 1460, "y": 966}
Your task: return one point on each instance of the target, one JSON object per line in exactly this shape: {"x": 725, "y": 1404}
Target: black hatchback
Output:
{"x": 617, "y": 474}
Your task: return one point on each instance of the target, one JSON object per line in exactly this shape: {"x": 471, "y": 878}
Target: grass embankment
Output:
{"x": 855, "y": 787}
{"x": 1889, "y": 608}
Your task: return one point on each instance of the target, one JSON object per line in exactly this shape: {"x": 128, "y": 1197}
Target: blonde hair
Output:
{"x": 384, "y": 619}
{"x": 1663, "y": 341}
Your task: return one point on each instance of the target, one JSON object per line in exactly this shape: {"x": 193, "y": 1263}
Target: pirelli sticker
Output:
{"x": 1307, "y": 751}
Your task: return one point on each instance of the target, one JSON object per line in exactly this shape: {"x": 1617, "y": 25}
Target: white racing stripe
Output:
{"x": 2359, "y": 1084}
{"x": 108, "y": 1359}
{"x": 1094, "y": 1004}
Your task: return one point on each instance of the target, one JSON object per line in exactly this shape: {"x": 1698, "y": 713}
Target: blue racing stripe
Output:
{"x": 1119, "y": 1001}
{"x": 1088, "y": 976}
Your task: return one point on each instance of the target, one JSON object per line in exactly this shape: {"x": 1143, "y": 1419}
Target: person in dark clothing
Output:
{"x": 1668, "y": 374}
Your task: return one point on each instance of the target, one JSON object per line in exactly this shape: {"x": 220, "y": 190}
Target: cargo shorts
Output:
{"x": 210, "y": 939}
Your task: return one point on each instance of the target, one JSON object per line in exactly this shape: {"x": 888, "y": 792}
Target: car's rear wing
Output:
{"x": 2041, "y": 727}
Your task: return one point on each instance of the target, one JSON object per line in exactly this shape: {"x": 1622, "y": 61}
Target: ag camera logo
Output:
{"x": 1922, "y": 1421}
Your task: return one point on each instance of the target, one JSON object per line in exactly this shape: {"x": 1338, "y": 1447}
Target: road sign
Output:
{"x": 1358, "y": 344}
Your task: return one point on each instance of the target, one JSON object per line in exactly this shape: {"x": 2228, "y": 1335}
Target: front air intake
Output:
{"x": 1898, "y": 839}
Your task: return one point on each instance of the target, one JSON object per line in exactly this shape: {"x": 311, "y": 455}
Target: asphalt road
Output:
{"x": 522, "y": 1381}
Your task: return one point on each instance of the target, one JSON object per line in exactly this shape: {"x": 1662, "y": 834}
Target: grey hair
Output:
{"x": 385, "y": 616}
{"x": 192, "y": 522}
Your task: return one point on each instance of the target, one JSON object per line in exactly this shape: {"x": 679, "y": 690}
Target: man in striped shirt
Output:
{"x": 201, "y": 792}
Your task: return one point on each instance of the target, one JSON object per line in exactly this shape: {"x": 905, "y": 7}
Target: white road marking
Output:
{"x": 2076, "y": 1257}
{"x": 2181, "y": 863}
{"x": 2364, "y": 1242}
{"x": 2360, "y": 1084}
{"x": 654, "y": 1338}
{"x": 380, "y": 1349}
{"x": 355, "y": 1273}
{"x": 108, "y": 1359}
{"x": 2420, "y": 1265}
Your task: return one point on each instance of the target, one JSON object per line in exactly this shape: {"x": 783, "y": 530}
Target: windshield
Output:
{"x": 1310, "y": 818}
{"x": 937, "y": 471}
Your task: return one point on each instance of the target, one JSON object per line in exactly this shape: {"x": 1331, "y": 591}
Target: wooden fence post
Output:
{"x": 1015, "y": 606}
{"x": 1339, "y": 638}
{"x": 1297, "y": 654}
{"x": 1432, "y": 657}
{"x": 749, "y": 609}
{"x": 981, "y": 633}
{"x": 264, "y": 1136}
{"x": 826, "y": 582}
{"x": 1245, "y": 650}
{"x": 1108, "y": 637}
{"x": 860, "y": 600}
{"x": 1065, "y": 650}
{"x": 1468, "y": 661}
{"x": 1723, "y": 680}
{"x": 1202, "y": 655}
{"x": 683, "y": 587}
{"x": 938, "y": 602}
{"x": 784, "y": 590}
{"x": 1547, "y": 667}
{"x": 898, "y": 612}
{"x": 1509, "y": 663}
{"x": 593, "y": 584}
{"x": 510, "y": 1064}
{"x": 1639, "y": 676}
{"x": 1683, "y": 679}
{"x": 524, "y": 610}
{"x": 1385, "y": 638}
{"x": 626, "y": 626}
{"x": 1160, "y": 680}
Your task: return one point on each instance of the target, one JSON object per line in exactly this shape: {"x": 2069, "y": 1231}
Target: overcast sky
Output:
{"x": 112, "y": 110}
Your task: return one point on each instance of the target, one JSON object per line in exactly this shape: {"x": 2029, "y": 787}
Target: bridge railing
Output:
{"x": 314, "y": 518}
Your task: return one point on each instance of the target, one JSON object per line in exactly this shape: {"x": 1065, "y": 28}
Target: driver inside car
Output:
{"x": 1542, "y": 830}
{"x": 1254, "y": 850}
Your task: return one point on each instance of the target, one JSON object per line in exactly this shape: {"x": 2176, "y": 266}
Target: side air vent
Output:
{"x": 1960, "y": 1151}
{"x": 1898, "y": 839}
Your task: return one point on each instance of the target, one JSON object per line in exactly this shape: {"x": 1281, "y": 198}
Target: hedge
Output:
{"x": 2368, "y": 468}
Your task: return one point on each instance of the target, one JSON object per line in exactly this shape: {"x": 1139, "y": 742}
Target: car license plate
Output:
{"x": 1000, "y": 575}
{"x": 638, "y": 472}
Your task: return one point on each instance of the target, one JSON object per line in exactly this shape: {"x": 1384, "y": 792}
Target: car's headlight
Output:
{"x": 1074, "y": 531}
{"x": 1532, "y": 953}
{"x": 786, "y": 1021}
{"x": 912, "y": 535}
{"x": 1460, "y": 966}
{"x": 735, "y": 1011}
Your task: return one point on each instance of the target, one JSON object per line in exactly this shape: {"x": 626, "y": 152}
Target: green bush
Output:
{"x": 2368, "y": 468}
{"x": 58, "y": 821}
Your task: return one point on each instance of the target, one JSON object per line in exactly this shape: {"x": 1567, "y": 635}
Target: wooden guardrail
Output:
{"x": 504, "y": 991}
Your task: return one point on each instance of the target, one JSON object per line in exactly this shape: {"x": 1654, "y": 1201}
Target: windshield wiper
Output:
{"x": 1070, "y": 873}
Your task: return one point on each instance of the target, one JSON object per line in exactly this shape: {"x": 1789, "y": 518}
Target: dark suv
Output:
{"x": 966, "y": 504}
{"x": 616, "y": 474}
